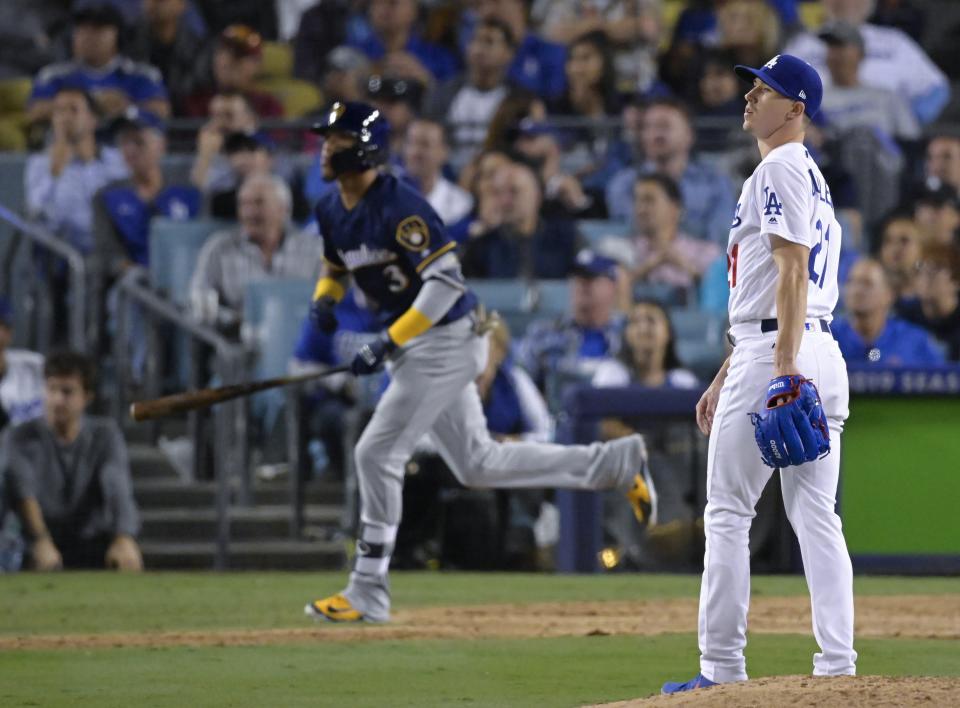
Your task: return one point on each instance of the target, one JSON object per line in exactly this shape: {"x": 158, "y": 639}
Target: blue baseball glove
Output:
{"x": 792, "y": 427}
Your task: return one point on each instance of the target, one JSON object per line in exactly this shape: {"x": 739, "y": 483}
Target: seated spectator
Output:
{"x": 165, "y": 38}
{"x": 69, "y": 477}
{"x": 748, "y": 29}
{"x": 893, "y": 60}
{"x": 468, "y": 102}
{"x": 519, "y": 107}
{"x": 114, "y": 81}
{"x": 848, "y": 102}
{"x": 649, "y": 353}
{"x": 21, "y": 377}
{"x": 575, "y": 345}
{"x": 230, "y": 112}
{"x": 937, "y": 213}
{"x": 660, "y": 252}
{"x": 537, "y": 64}
{"x": 322, "y": 32}
{"x": 942, "y": 165}
{"x": 524, "y": 243}
{"x": 564, "y": 195}
{"x": 264, "y": 246}
{"x": 937, "y": 309}
{"x": 27, "y": 33}
{"x": 389, "y": 37}
{"x": 719, "y": 92}
{"x": 900, "y": 247}
{"x": 633, "y": 28}
{"x": 665, "y": 142}
{"x": 346, "y": 75}
{"x": 399, "y": 101}
{"x": 481, "y": 176}
{"x": 124, "y": 209}
{"x": 425, "y": 152}
{"x": 60, "y": 183}
{"x": 869, "y": 334}
{"x": 237, "y": 59}
{"x": 246, "y": 155}
{"x": 591, "y": 80}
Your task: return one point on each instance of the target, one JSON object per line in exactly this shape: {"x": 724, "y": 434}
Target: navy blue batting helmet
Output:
{"x": 370, "y": 128}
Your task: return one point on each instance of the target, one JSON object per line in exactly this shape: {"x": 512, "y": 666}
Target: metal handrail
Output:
{"x": 75, "y": 261}
{"x": 230, "y": 364}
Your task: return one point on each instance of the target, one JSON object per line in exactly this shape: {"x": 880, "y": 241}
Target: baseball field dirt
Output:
{"x": 240, "y": 639}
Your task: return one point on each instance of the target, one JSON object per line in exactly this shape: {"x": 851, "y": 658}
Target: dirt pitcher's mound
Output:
{"x": 846, "y": 691}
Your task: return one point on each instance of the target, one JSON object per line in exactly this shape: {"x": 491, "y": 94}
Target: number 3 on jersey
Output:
{"x": 396, "y": 280}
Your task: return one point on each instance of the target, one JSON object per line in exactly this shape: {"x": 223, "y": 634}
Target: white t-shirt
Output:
{"x": 892, "y": 61}
{"x": 21, "y": 388}
{"x": 613, "y": 374}
{"x": 449, "y": 201}
{"x": 786, "y": 196}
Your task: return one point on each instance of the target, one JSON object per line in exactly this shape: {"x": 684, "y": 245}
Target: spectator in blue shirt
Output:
{"x": 664, "y": 143}
{"x": 389, "y": 36}
{"x": 869, "y": 334}
{"x": 123, "y": 209}
{"x": 538, "y": 65}
{"x": 520, "y": 242}
{"x": 116, "y": 82}
{"x": 572, "y": 347}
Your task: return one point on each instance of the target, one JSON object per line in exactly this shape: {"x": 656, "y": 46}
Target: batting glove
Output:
{"x": 322, "y": 314}
{"x": 370, "y": 357}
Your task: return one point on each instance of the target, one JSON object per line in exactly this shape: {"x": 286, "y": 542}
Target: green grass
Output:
{"x": 535, "y": 672}
{"x": 95, "y": 602}
{"x": 481, "y": 672}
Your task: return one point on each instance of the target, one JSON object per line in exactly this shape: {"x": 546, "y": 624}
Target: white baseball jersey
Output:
{"x": 786, "y": 196}
{"x": 21, "y": 388}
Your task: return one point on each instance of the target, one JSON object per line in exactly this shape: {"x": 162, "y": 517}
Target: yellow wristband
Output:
{"x": 328, "y": 287}
{"x": 412, "y": 323}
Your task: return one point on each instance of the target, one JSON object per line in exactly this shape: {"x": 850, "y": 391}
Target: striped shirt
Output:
{"x": 229, "y": 261}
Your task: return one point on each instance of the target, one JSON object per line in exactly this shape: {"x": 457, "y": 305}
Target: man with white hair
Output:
{"x": 892, "y": 60}
{"x": 264, "y": 246}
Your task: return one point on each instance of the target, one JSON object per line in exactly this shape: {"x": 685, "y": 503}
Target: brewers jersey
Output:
{"x": 786, "y": 196}
{"x": 387, "y": 242}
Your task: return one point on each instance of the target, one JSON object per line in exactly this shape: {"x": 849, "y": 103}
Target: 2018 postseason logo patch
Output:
{"x": 413, "y": 233}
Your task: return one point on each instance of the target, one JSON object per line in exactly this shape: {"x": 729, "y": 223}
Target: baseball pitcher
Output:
{"x": 385, "y": 236}
{"x": 784, "y": 387}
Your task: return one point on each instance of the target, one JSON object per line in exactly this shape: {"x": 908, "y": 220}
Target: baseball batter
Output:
{"x": 385, "y": 236}
{"x": 782, "y": 255}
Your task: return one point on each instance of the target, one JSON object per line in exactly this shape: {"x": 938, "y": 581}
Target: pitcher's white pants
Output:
{"x": 735, "y": 478}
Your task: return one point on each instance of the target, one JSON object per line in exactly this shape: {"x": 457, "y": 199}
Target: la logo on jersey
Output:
{"x": 773, "y": 207}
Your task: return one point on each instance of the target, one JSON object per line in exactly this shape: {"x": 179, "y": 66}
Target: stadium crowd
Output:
{"x": 596, "y": 141}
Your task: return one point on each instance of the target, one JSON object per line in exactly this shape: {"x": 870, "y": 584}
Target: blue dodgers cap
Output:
{"x": 590, "y": 264}
{"x": 790, "y": 76}
{"x": 137, "y": 118}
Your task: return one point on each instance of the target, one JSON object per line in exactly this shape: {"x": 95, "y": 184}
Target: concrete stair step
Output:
{"x": 246, "y": 555}
{"x": 159, "y": 493}
{"x": 200, "y": 524}
{"x": 148, "y": 462}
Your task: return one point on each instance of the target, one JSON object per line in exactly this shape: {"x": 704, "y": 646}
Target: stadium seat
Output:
{"x": 273, "y": 312}
{"x": 665, "y": 294}
{"x": 298, "y": 97}
{"x": 503, "y": 295}
{"x": 277, "y": 61}
{"x": 702, "y": 358}
{"x": 174, "y": 247}
{"x": 596, "y": 230}
{"x": 553, "y": 298}
{"x": 697, "y": 325}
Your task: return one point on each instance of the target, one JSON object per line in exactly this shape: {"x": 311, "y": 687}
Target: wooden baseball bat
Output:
{"x": 192, "y": 400}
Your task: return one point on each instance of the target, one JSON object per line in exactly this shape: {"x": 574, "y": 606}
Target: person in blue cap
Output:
{"x": 783, "y": 254}
{"x": 383, "y": 236}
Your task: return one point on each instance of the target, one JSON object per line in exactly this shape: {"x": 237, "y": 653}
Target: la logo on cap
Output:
{"x": 803, "y": 95}
{"x": 772, "y": 63}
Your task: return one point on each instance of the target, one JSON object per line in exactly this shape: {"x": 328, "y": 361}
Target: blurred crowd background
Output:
{"x": 158, "y": 176}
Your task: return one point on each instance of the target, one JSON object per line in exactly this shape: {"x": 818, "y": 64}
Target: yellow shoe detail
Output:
{"x": 335, "y": 608}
